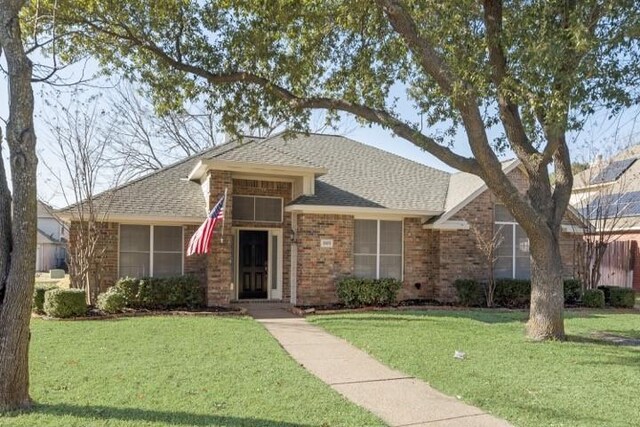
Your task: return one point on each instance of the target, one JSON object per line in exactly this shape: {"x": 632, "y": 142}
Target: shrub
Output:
{"x": 129, "y": 288}
{"x": 470, "y": 293}
{"x": 38, "y": 296}
{"x": 572, "y": 291}
{"x": 161, "y": 293}
{"x": 621, "y": 297}
{"x": 64, "y": 303}
{"x": 357, "y": 292}
{"x": 112, "y": 301}
{"x": 593, "y": 298}
{"x": 512, "y": 293}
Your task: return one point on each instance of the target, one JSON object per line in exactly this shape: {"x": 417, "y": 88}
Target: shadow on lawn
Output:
{"x": 145, "y": 415}
{"x": 479, "y": 315}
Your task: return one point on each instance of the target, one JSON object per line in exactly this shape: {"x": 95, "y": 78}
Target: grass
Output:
{"x": 173, "y": 371}
{"x": 584, "y": 381}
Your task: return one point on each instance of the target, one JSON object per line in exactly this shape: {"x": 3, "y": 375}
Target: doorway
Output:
{"x": 253, "y": 264}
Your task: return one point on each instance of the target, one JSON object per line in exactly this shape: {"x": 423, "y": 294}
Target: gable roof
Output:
{"x": 359, "y": 175}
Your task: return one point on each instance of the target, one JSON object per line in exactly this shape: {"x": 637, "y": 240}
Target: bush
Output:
{"x": 512, "y": 293}
{"x": 572, "y": 291}
{"x": 593, "y": 298}
{"x": 161, "y": 293}
{"x": 621, "y": 297}
{"x": 470, "y": 293}
{"x": 357, "y": 292}
{"x": 64, "y": 303}
{"x": 112, "y": 301}
{"x": 129, "y": 288}
{"x": 38, "y": 296}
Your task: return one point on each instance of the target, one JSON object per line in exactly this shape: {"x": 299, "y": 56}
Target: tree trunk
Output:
{"x": 17, "y": 264}
{"x": 547, "y": 289}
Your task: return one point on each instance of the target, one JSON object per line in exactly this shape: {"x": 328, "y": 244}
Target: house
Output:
{"x": 303, "y": 212}
{"x": 608, "y": 193}
{"x": 51, "y": 239}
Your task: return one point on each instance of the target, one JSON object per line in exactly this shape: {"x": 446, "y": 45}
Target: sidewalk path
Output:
{"x": 398, "y": 399}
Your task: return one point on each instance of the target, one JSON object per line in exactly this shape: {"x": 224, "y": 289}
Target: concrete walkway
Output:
{"x": 398, "y": 399}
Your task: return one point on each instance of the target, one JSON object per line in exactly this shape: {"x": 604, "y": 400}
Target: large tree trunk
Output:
{"x": 17, "y": 263}
{"x": 547, "y": 289}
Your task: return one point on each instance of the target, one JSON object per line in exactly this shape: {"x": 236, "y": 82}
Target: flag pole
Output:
{"x": 224, "y": 216}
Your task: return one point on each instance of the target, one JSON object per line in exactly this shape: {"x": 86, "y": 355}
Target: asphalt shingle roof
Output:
{"x": 358, "y": 175}
{"x": 363, "y": 176}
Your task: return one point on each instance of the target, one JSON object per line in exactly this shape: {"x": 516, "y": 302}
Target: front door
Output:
{"x": 253, "y": 262}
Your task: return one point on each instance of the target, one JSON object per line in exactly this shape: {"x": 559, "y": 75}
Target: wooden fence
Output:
{"x": 617, "y": 264}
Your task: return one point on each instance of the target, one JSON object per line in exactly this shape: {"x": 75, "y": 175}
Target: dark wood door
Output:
{"x": 252, "y": 262}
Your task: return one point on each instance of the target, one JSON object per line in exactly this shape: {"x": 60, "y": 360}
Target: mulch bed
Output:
{"x": 95, "y": 314}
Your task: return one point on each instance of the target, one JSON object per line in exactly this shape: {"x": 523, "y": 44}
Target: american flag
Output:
{"x": 200, "y": 241}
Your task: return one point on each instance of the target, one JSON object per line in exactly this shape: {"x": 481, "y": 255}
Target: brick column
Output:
{"x": 219, "y": 261}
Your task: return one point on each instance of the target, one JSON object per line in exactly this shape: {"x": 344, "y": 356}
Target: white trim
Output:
{"x": 360, "y": 212}
{"x": 272, "y": 178}
{"x": 146, "y": 219}
{"x": 448, "y": 226}
{"x": 571, "y": 229}
{"x": 454, "y": 210}
{"x": 203, "y": 166}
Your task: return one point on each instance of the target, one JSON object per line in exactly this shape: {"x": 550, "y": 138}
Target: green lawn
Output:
{"x": 173, "y": 371}
{"x": 583, "y": 382}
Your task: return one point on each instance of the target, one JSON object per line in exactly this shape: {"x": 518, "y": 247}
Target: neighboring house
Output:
{"x": 608, "y": 193}
{"x": 304, "y": 212}
{"x": 52, "y": 239}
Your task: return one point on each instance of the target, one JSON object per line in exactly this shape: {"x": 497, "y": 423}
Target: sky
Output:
{"x": 600, "y": 131}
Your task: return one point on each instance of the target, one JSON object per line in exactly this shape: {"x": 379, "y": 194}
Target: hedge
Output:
{"x": 619, "y": 297}
{"x": 63, "y": 303}
{"x": 38, "y": 296}
{"x": 593, "y": 298}
{"x": 111, "y": 301}
{"x": 358, "y": 292}
{"x": 161, "y": 293}
{"x": 470, "y": 293}
{"x": 511, "y": 293}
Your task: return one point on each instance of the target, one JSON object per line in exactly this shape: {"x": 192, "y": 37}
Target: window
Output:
{"x": 513, "y": 259}
{"x": 150, "y": 250}
{"x": 378, "y": 249}
{"x": 257, "y": 209}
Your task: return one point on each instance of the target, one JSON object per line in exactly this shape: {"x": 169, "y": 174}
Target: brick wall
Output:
{"x": 244, "y": 187}
{"x": 106, "y": 251}
{"x": 421, "y": 261}
{"x": 195, "y": 265}
{"x": 220, "y": 289}
{"x": 319, "y": 268}
{"x": 459, "y": 255}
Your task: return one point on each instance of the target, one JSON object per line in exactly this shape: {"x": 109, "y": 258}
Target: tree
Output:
{"x": 81, "y": 146}
{"x": 528, "y": 71}
{"x": 17, "y": 215}
{"x": 488, "y": 244}
{"x": 604, "y": 201}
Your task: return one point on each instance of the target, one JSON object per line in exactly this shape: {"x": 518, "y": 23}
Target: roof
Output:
{"x": 357, "y": 175}
{"x": 360, "y": 175}
{"x": 162, "y": 193}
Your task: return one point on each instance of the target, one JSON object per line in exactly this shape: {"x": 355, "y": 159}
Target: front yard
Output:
{"x": 173, "y": 371}
{"x": 586, "y": 381}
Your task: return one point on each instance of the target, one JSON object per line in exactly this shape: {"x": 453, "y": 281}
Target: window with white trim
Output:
{"x": 257, "y": 209}
{"x": 513, "y": 260}
{"x": 150, "y": 250}
{"x": 377, "y": 249}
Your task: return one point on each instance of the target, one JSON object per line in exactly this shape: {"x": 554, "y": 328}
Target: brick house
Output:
{"x": 303, "y": 212}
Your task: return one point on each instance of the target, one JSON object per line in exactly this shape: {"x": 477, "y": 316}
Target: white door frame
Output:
{"x": 272, "y": 294}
